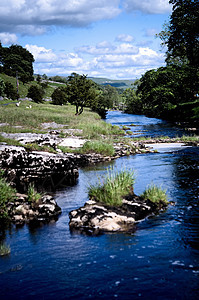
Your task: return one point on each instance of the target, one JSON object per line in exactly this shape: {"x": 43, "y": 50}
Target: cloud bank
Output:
{"x": 103, "y": 60}
{"x": 34, "y": 17}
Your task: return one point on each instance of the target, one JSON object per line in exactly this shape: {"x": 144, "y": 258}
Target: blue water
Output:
{"x": 160, "y": 260}
{"x": 141, "y": 125}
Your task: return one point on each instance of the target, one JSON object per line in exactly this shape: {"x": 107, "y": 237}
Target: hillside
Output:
{"x": 120, "y": 84}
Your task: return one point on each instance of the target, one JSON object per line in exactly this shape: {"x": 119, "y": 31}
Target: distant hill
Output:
{"x": 120, "y": 84}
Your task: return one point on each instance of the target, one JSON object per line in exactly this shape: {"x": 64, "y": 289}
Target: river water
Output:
{"x": 160, "y": 260}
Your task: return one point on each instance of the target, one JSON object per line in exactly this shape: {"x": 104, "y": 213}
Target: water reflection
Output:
{"x": 160, "y": 260}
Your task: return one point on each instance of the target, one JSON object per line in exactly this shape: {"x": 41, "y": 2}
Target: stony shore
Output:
{"x": 49, "y": 171}
{"x": 95, "y": 217}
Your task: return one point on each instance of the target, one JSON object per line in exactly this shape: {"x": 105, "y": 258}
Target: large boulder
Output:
{"x": 98, "y": 217}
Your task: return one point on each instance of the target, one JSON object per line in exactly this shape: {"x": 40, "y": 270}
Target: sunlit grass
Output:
{"x": 113, "y": 188}
{"x": 155, "y": 194}
{"x": 4, "y": 249}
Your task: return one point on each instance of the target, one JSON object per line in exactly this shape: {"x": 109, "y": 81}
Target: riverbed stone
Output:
{"x": 45, "y": 210}
{"x": 99, "y": 217}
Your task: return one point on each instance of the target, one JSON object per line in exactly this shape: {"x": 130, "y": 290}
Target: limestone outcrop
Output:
{"x": 22, "y": 211}
{"x": 95, "y": 217}
{"x": 46, "y": 170}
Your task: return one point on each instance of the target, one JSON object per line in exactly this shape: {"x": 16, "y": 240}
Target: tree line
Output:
{"x": 171, "y": 92}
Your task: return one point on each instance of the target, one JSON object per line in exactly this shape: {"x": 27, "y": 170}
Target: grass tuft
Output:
{"x": 98, "y": 147}
{"x": 7, "y": 193}
{"x": 33, "y": 195}
{"x": 4, "y": 249}
{"x": 155, "y": 194}
{"x": 113, "y": 188}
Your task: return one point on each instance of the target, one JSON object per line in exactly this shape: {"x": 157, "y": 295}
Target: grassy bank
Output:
{"x": 23, "y": 88}
{"x": 87, "y": 125}
{"x": 111, "y": 189}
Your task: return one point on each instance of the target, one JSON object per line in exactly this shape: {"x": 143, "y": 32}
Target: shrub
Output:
{"x": 155, "y": 194}
{"x": 115, "y": 186}
{"x": 4, "y": 249}
{"x": 7, "y": 193}
{"x": 11, "y": 91}
{"x": 98, "y": 147}
{"x": 33, "y": 195}
{"x": 36, "y": 93}
{"x": 2, "y": 87}
{"x": 59, "y": 96}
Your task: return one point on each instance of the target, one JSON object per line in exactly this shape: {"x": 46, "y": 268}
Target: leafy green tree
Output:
{"x": 59, "y": 96}
{"x": 80, "y": 91}
{"x": 2, "y": 87}
{"x": 58, "y": 79}
{"x": 166, "y": 88}
{"x": 17, "y": 59}
{"x": 38, "y": 79}
{"x": 183, "y": 40}
{"x": 36, "y": 93}
{"x": 132, "y": 100}
{"x": 10, "y": 91}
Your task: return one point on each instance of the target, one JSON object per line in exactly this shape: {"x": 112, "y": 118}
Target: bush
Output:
{"x": 115, "y": 186}
{"x": 59, "y": 96}
{"x": 36, "y": 93}
{"x": 7, "y": 193}
{"x": 155, "y": 194}
{"x": 2, "y": 87}
{"x": 11, "y": 91}
{"x": 98, "y": 147}
{"x": 4, "y": 249}
{"x": 33, "y": 196}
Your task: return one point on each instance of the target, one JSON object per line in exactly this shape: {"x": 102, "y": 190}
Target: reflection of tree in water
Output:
{"x": 187, "y": 176}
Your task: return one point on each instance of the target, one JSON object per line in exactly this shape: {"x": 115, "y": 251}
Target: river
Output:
{"x": 160, "y": 260}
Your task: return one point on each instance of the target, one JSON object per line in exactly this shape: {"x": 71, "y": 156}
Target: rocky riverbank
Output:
{"x": 95, "y": 217}
{"x": 22, "y": 211}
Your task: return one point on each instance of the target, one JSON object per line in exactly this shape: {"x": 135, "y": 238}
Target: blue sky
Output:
{"x": 113, "y": 39}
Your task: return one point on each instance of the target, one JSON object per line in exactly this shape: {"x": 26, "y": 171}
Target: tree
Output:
{"x": 183, "y": 40}
{"x": 80, "y": 91}
{"x": 2, "y": 87}
{"x": 38, "y": 79}
{"x": 132, "y": 101}
{"x": 36, "y": 93}
{"x": 164, "y": 89}
{"x": 59, "y": 96}
{"x": 11, "y": 91}
{"x": 17, "y": 59}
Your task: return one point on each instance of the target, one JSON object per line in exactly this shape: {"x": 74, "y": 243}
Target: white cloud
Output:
{"x": 124, "y": 38}
{"x": 15, "y": 15}
{"x": 148, "y": 6}
{"x": 41, "y": 54}
{"x": 8, "y": 38}
{"x": 108, "y": 48}
{"x": 115, "y": 61}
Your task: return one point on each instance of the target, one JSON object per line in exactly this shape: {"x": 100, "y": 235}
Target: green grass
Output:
{"x": 23, "y": 88}
{"x": 33, "y": 195}
{"x": 99, "y": 147}
{"x": 193, "y": 138}
{"x": 30, "y": 120}
{"x": 35, "y": 147}
{"x": 7, "y": 193}
{"x": 4, "y": 249}
{"x": 9, "y": 141}
{"x": 111, "y": 190}
{"x": 155, "y": 194}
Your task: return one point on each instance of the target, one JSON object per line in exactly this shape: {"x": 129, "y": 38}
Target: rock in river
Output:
{"x": 98, "y": 217}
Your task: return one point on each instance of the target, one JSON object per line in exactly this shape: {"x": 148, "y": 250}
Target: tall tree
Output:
{"x": 183, "y": 39}
{"x": 80, "y": 91}
{"x": 17, "y": 59}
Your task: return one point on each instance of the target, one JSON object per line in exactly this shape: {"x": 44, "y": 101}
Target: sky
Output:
{"x": 99, "y": 38}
